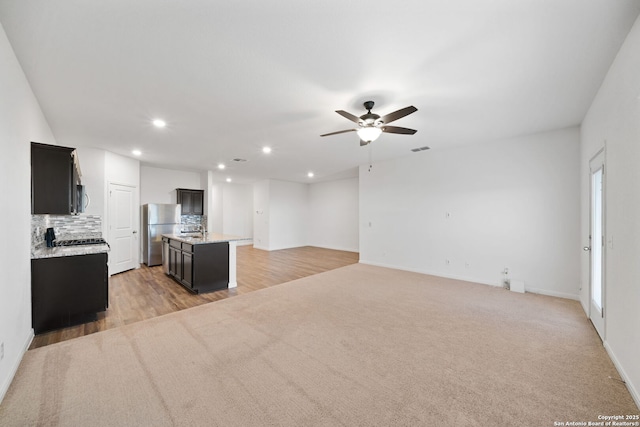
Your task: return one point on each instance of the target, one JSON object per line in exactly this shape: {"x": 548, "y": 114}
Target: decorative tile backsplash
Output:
{"x": 189, "y": 222}
{"x": 65, "y": 227}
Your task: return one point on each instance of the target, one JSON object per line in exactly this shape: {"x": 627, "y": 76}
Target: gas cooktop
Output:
{"x": 80, "y": 242}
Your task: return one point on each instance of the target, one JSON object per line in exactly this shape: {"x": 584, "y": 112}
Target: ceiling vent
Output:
{"x": 237, "y": 159}
{"x": 415, "y": 150}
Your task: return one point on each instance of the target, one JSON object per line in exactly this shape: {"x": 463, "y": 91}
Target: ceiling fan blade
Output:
{"x": 398, "y": 114}
{"x": 395, "y": 129}
{"x": 340, "y": 131}
{"x": 354, "y": 119}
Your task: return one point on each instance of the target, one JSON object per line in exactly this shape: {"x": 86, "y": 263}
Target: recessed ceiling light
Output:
{"x": 159, "y": 123}
{"x": 266, "y": 150}
{"x": 136, "y": 152}
{"x": 310, "y": 174}
{"x": 228, "y": 179}
{"x": 221, "y": 166}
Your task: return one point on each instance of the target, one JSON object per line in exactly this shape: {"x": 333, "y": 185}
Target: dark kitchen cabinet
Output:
{"x": 67, "y": 291}
{"x": 175, "y": 259}
{"x": 192, "y": 201}
{"x": 53, "y": 179}
{"x": 199, "y": 268}
{"x": 187, "y": 269}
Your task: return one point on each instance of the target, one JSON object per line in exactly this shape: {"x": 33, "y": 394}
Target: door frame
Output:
{"x": 600, "y": 324}
{"x": 137, "y": 249}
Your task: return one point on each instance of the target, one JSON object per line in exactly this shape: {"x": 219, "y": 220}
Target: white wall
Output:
{"x": 512, "y": 204}
{"x": 614, "y": 118}
{"x": 158, "y": 185}
{"x": 237, "y": 209}
{"x": 214, "y": 208}
{"x": 21, "y": 121}
{"x": 261, "y": 215}
{"x": 288, "y": 213}
{"x": 280, "y": 214}
{"x": 333, "y": 215}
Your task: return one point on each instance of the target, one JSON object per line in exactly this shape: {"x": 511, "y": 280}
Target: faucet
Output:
{"x": 202, "y": 229}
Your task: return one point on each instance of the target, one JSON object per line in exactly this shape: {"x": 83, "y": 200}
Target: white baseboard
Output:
{"x": 630, "y": 386}
{"x": 553, "y": 293}
{"x": 14, "y": 369}
{"x": 335, "y": 248}
{"x": 431, "y": 273}
{"x": 471, "y": 279}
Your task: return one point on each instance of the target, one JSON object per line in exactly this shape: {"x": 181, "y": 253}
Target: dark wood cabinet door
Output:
{"x": 187, "y": 269}
{"x": 51, "y": 179}
{"x": 186, "y": 203}
{"x": 68, "y": 290}
{"x": 197, "y": 202}
{"x": 173, "y": 262}
{"x": 191, "y": 201}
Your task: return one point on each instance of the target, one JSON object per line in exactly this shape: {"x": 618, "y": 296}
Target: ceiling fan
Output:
{"x": 371, "y": 125}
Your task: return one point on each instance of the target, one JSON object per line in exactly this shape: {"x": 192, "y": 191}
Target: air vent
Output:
{"x": 415, "y": 150}
{"x": 239, "y": 160}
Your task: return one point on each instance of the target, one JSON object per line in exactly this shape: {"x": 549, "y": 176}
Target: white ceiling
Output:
{"x": 231, "y": 77}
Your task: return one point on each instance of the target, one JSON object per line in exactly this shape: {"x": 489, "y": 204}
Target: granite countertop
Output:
{"x": 207, "y": 238}
{"x": 45, "y": 252}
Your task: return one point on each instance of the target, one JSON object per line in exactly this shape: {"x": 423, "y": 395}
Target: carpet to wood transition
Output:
{"x": 360, "y": 345}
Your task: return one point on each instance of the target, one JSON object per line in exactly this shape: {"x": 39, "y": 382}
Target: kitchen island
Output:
{"x": 205, "y": 262}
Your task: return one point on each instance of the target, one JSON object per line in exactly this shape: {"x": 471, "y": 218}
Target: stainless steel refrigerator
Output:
{"x": 157, "y": 219}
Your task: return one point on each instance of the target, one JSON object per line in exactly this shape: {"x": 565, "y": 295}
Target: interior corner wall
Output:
{"x": 470, "y": 212}
{"x": 21, "y": 121}
{"x": 280, "y": 211}
{"x": 333, "y": 215}
{"x": 613, "y": 122}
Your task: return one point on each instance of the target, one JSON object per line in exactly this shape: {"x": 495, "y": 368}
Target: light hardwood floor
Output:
{"x": 147, "y": 292}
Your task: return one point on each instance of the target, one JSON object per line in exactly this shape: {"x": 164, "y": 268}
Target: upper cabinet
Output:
{"x": 54, "y": 178}
{"x": 192, "y": 201}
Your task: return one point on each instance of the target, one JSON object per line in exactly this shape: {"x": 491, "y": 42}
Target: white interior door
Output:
{"x": 597, "y": 245}
{"x": 123, "y": 236}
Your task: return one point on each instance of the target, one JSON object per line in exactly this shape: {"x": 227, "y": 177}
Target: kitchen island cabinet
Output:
{"x": 202, "y": 264}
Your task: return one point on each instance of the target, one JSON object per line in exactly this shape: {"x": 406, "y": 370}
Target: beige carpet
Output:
{"x": 360, "y": 345}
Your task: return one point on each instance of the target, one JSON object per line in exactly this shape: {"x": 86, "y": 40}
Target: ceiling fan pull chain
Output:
{"x": 370, "y": 156}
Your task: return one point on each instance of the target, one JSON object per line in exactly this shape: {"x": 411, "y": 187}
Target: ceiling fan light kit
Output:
{"x": 369, "y": 133}
{"x": 371, "y": 125}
